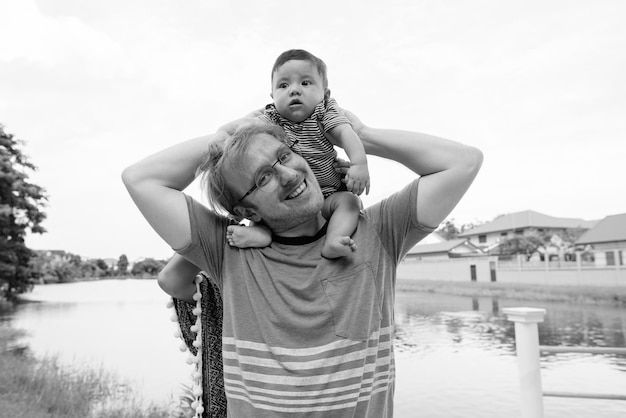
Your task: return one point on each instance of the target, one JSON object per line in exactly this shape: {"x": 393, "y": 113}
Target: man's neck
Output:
{"x": 306, "y": 229}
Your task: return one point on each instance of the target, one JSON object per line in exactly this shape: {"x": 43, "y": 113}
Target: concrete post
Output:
{"x": 527, "y": 347}
{"x": 579, "y": 268}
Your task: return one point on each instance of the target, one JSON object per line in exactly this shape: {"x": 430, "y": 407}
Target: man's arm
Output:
{"x": 447, "y": 167}
{"x": 175, "y": 278}
{"x": 156, "y": 184}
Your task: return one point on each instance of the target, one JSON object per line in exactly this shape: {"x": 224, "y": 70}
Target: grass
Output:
{"x": 38, "y": 388}
{"x": 614, "y": 296}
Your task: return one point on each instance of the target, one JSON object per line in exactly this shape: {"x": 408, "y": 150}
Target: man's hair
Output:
{"x": 302, "y": 55}
{"x": 220, "y": 197}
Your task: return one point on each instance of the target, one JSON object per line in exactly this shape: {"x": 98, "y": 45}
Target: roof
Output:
{"x": 440, "y": 247}
{"x": 432, "y": 238}
{"x": 610, "y": 229}
{"x": 527, "y": 219}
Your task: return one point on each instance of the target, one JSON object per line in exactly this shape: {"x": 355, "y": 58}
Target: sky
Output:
{"x": 92, "y": 87}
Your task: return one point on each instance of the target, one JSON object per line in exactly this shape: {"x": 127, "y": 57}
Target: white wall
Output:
{"x": 451, "y": 269}
{"x": 459, "y": 270}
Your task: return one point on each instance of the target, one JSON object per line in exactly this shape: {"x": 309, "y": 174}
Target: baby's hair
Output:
{"x": 220, "y": 198}
{"x": 302, "y": 55}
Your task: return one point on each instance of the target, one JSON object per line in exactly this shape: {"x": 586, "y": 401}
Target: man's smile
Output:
{"x": 299, "y": 190}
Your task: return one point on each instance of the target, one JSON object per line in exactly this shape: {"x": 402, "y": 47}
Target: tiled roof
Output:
{"x": 527, "y": 219}
{"x": 610, "y": 229}
{"x": 441, "y": 247}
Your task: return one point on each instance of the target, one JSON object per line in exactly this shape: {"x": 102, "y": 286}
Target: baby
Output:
{"x": 304, "y": 109}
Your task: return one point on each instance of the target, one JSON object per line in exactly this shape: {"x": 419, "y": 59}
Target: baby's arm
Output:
{"x": 357, "y": 178}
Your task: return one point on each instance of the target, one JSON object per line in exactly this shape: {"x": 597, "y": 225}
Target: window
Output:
{"x": 610, "y": 258}
{"x": 482, "y": 239}
{"x": 504, "y": 234}
{"x": 519, "y": 232}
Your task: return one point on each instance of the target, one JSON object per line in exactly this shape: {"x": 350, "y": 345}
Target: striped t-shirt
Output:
{"x": 303, "y": 335}
{"x": 312, "y": 144}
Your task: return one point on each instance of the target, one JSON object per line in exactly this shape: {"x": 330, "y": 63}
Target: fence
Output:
{"x": 490, "y": 269}
{"x": 528, "y": 353}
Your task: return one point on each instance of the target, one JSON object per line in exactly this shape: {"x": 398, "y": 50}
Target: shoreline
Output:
{"x": 40, "y": 387}
{"x": 613, "y": 296}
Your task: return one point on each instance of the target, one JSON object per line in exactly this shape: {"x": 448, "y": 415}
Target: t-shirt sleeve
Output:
{"x": 397, "y": 222}
{"x": 208, "y": 238}
{"x": 333, "y": 115}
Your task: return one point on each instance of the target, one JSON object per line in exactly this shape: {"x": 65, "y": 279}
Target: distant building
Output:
{"x": 454, "y": 248}
{"x": 607, "y": 239}
{"x": 488, "y": 236}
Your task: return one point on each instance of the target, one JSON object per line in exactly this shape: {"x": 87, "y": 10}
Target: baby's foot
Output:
{"x": 248, "y": 236}
{"x": 335, "y": 247}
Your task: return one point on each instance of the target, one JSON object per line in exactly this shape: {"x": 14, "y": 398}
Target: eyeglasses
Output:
{"x": 264, "y": 176}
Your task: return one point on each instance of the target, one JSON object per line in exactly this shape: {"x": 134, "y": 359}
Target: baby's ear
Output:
{"x": 327, "y": 94}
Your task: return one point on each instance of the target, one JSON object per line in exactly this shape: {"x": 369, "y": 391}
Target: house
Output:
{"x": 434, "y": 246}
{"x": 608, "y": 240}
{"x": 488, "y": 236}
{"x": 454, "y": 248}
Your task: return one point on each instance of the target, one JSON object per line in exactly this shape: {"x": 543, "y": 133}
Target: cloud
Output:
{"x": 54, "y": 41}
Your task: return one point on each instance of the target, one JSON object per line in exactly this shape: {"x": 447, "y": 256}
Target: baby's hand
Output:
{"x": 358, "y": 179}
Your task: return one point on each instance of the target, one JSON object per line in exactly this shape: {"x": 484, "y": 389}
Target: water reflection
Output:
{"x": 455, "y": 355}
{"x": 121, "y": 326}
{"x": 481, "y": 320}
{"x": 436, "y": 331}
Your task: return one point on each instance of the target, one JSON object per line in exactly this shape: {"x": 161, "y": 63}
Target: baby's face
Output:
{"x": 297, "y": 88}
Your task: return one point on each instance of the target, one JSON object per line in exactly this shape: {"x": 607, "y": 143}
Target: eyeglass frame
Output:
{"x": 255, "y": 186}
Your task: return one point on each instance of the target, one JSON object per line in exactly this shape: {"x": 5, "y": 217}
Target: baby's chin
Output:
{"x": 296, "y": 115}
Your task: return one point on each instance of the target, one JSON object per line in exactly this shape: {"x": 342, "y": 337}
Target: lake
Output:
{"x": 455, "y": 355}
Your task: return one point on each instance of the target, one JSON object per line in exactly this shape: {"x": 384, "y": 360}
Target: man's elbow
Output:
{"x": 129, "y": 176}
{"x": 166, "y": 282}
{"x": 473, "y": 160}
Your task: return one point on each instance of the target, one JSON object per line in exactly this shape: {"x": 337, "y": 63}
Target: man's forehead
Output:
{"x": 259, "y": 147}
{"x": 263, "y": 141}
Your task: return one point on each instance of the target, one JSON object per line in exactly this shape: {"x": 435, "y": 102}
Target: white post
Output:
{"x": 579, "y": 267}
{"x": 527, "y": 347}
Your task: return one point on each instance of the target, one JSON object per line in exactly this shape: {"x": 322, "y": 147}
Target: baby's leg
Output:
{"x": 253, "y": 236}
{"x": 342, "y": 211}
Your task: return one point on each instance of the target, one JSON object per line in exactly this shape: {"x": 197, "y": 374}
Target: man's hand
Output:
{"x": 341, "y": 166}
{"x": 348, "y": 170}
{"x": 356, "y": 123}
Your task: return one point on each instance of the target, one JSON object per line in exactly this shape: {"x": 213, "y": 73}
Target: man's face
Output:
{"x": 297, "y": 88}
{"x": 290, "y": 198}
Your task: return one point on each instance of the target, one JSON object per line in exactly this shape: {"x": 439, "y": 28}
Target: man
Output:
{"x": 302, "y": 335}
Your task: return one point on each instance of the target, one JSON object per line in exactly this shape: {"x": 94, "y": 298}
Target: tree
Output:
{"x": 122, "y": 265}
{"x": 448, "y": 229}
{"x": 524, "y": 244}
{"x": 21, "y": 204}
{"x": 149, "y": 267}
{"x": 103, "y": 266}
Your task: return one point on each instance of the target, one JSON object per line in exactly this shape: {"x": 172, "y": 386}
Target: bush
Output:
{"x": 38, "y": 388}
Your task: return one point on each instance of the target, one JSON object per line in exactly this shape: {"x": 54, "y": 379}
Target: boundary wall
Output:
{"x": 489, "y": 269}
